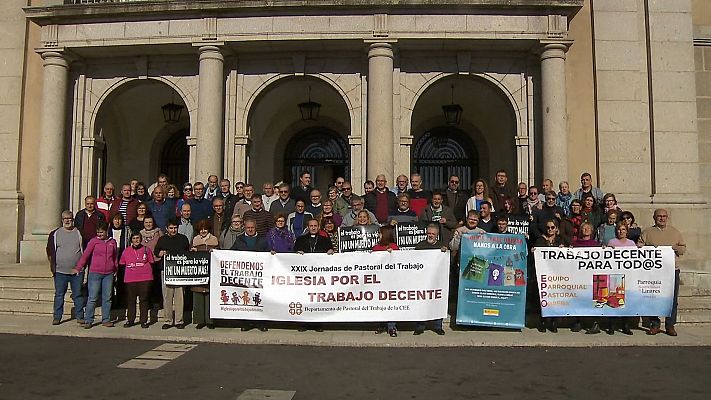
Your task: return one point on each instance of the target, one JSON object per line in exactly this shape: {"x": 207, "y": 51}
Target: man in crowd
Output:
{"x": 213, "y": 187}
{"x": 500, "y": 189}
{"x": 185, "y": 226}
{"x": 246, "y": 203}
{"x": 268, "y": 195}
{"x": 229, "y": 199}
{"x": 303, "y": 190}
{"x": 251, "y": 241}
{"x": 161, "y": 208}
{"x": 401, "y": 185}
{"x": 368, "y": 186}
{"x": 314, "y": 204}
{"x": 103, "y": 203}
{"x": 381, "y": 201}
{"x": 284, "y": 205}
{"x": 219, "y": 217}
{"x": 502, "y": 225}
{"x": 486, "y": 222}
{"x": 263, "y": 218}
{"x": 586, "y": 186}
{"x": 161, "y": 181}
{"x": 187, "y": 196}
{"x": 403, "y": 213}
{"x": 312, "y": 242}
{"x": 126, "y": 205}
{"x": 419, "y": 197}
{"x": 546, "y": 186}
{"x": 64, "y": 248}
{"x": 432, "y": 242}
{"x": 549, "y": 211}
{"x": 343, "y": 203}
{"x": 172, "y": 243}
{"x": 440, "y": 214}
{"x": 663, "y": 234}
{"x": 86, "y": 220}
{"x": 200, "y": 206}
{"x": 339, "y": 184}
{"x": 239, "y": 190}
{"x": 456, "y": 199}
{"x": 357, "y": 205}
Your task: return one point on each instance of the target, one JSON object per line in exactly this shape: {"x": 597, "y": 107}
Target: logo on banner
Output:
{"x": 295, "y": 308}
{"x": 243, "y": 298}
{"x": 608, "y": 290}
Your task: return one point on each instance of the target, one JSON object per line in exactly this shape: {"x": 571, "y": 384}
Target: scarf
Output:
{"x": 147, "y": 236}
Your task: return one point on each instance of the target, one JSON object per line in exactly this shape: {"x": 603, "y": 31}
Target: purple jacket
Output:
{"x": 281, "y": 240}
{"x": 104, "y": 256}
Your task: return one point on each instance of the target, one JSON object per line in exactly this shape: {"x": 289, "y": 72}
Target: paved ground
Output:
{"x": 41, "y": 367}
{"x": 360, "y": 335}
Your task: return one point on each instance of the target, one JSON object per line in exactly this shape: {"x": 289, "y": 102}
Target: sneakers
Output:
{"x": 392, "y": 332}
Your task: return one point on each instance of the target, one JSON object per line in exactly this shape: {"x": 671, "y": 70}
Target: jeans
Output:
{"x": 99, "y": 284}
{"x": 669, "y": 321}
{"x": 61, "y": 282}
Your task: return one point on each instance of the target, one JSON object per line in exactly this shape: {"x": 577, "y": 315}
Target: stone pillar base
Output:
{"x": 33, "y": 249}
{"x": 12, "y": 206}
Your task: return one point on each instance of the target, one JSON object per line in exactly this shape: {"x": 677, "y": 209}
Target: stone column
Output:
{"x": 52, "y": 147}
{"x": 379, "y": 139}
{"x": 555, "y": 138}
{"x": 210, "y": 119}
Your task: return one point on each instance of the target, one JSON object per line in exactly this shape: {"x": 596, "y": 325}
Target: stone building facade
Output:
{"x": 547, "y": 89}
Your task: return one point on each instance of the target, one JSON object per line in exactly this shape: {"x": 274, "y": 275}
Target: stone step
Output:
{"x": 31, "y": 294}
{"x": 26, "y": 283}
{"x": 695, "y": 303}
{"x": 25, "y": 270}
{"x": 690, "y": 291}
{"x": 694, "y": 316}
{"x": 30, "y": 307}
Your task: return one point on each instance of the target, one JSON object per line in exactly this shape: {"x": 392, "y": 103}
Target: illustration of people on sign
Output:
{"x": 245, "y": 298}
{"x": 496, "y": 275}
{"x": 235, "y": 298}
{"x": 257, "y": 299}
{"x": 608, "y": 290}
{"x": 224, "y": 297}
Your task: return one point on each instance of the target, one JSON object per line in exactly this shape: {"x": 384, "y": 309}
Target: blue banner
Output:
{"x": 492, "y": 280}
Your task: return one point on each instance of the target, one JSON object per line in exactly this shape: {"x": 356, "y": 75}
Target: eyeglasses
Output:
{"x": 453, "y": 181}
{"x": 550, "y": 198}
{"x": 239, "y": 187}
{"x": 346, "y": 188}
{"x": 187, "y": 189}
{"x": 284, "y": 191}
{"x": 67, "y": 219}
{"x": 550, "y": 228}
{"x": 533, "y": 193}
{"x": 236, "y": 220}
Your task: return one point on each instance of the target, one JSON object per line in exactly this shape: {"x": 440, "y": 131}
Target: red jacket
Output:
{"x": 103, "y": 254}
{"x": 130, "y": 210}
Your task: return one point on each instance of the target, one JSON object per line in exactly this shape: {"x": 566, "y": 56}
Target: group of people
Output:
{"x": 122, "y": 238}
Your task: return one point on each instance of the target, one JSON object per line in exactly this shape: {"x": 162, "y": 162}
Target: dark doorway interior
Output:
{"x": 322, "y": 152}
{"x": 442, "y": 152}
{"x": 175, "y": 157}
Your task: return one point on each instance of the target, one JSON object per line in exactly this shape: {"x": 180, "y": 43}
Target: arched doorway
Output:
{"x": 442, "y": 152}
{"x": 174, "y": 158}
{"x": 320, "y": 151}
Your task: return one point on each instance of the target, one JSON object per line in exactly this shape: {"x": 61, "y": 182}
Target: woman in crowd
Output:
{"x": 101, "y": 255}
{"x": 328, "y": 211}
{"x": 142, "y": 192}
{"x": 609, "y": 202}
{"x": 138, "y": 262}
{"x": 533, "y": 201}
{"x": 621, "y": 240}
{"x": 633, "y": 231}
{"x": 203, "y": 241}
{"x": 480, "y": 194}
{"x": 386, "y": 242}
{"x": 296, "y": 221}
{"x": 231, "y": 232}
{"x": 328, "y": 225}
{"x": 549, "y": 238}
{"x": 149, "y": 238}
{"x": 564, "y": 198}
{"x": 606, "y": 231}
{"x": 590, "y": 212}
{"x": 280, "y": 239}
{"x": 172, "y": 192}
{"x": 363, "y": 219}
{"x": 586, "y": 239}
{"x": 141, "y": 212}
{"x": 121, "y": 233}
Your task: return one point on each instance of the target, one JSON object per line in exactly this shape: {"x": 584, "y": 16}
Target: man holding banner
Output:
{"x": 312, "y": 242}
{"x": 172, "y": 243}
{"x": 432, "y": 242}
{"x": 661, "y": 234}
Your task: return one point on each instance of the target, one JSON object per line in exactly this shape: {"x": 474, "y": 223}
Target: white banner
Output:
{"x": 613, "y": 282}
{"x": 353, "y": 287}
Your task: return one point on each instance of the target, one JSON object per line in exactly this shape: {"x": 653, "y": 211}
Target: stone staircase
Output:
{"x": 29, "y": 290}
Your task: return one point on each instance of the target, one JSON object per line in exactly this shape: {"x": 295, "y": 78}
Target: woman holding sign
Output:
{"x": 549, "y": 238}
{"x": 386, "y": 242}
{"x": 204, "y": 241}
{"x": 620, "y": 240}
{"x": 137, "y": 261}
